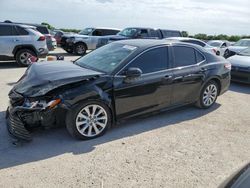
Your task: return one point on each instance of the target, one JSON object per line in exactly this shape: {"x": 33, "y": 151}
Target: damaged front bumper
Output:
{"x": 16, "y": 127}
{"x": 22, "y": 119}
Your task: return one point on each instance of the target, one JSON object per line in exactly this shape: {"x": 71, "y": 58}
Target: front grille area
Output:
{"x": 17, "y": 128}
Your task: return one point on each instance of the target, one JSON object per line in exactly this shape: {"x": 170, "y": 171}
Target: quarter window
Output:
{"x": 152, "y": 60}
{"x": 21, "y": 31}
{"x": 199, "y": 57}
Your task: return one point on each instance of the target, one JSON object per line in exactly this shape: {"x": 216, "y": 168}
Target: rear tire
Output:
{"x": 208, "y": 95}
{"x": 88, "y": 120}
{"x": 22, "y": 57}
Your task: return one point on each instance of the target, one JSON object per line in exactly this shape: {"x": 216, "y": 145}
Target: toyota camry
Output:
{"x": 121, "y": 80}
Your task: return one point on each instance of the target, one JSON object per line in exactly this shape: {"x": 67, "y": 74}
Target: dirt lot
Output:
{"x": 187, "y": 147}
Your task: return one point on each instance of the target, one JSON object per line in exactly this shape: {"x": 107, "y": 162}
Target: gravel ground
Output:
{"x": 187, "y": 147}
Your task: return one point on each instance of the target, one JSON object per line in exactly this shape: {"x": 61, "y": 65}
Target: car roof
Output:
{"x": 148, "y": 43}
{"x": 104, "y": 28}
{"x": 19, "y": 24}
{"x": 183, "y": 38}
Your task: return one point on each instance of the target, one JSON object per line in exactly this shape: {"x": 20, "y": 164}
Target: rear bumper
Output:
{"x": 42, "y": 52}
{"x": 225, "y": 83}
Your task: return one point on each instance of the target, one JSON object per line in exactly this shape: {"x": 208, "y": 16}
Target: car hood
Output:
{"x": 239, "y": 60}
{"x": 40, "y": 78}
{"x": 237, "y": 49}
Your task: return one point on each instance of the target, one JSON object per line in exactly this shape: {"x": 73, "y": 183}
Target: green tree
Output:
{"x": 48, "y": 25}
{"x": 184, "y": 33}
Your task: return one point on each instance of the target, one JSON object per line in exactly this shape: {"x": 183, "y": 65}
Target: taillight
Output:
{"x": 228, "y": 66}
{"x": 215, "y": 51}
{"x": 42, "y": 38}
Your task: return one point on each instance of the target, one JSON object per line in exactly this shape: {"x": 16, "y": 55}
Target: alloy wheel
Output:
{"x": 91, "y": 120}
{"x": 209, "y": 95}
{"x": 24, "y": 57}
{"x": 80, "y": 49}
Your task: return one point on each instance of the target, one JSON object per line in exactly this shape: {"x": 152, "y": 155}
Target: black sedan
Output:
{"x": 241, "y": 66}
{"x": 120, "y": 80}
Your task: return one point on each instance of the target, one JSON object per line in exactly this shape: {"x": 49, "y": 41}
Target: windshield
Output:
{"x": 106, "y": 58}
{"x": 245, "y": 52}
{"x": 86, "y": 31}
{"x": 214, "y": 44}
{"x": 128, "y": 32}
{"x": 242, "y": 43}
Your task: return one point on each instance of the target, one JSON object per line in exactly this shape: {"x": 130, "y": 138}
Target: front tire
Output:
{"x": 208, "y": 95}
{"x": 80, "y": 49}
{"x": 88, "y": 120}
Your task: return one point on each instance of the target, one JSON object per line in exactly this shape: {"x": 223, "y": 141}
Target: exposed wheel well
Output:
{"x": 218, "y": 82}
{"x": 23, "y": 48}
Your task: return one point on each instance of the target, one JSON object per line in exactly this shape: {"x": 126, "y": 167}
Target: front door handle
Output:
{"x": 203, "y": 70}
{"x": 168, "y": 77}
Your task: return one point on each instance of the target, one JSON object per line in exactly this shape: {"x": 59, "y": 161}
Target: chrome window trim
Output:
{"x": 170, "y": 69}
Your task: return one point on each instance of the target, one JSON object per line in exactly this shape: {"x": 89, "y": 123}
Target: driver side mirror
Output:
{"x": 133, "y": 72}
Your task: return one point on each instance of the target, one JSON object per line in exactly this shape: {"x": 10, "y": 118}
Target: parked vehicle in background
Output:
{"x": 45, "y": 31}
{"x": 85, "y": 40}
{"x": 121, "y": 80}
{"x": 139, "y": 33}
{"x": 212, "y": 49}
{"x": 58, "y": 36}
{"x": 222, "y": 45}
{"x": 241, "y": 66}
{"x": 237, "y": 47}
{"x": 20, "y": 42}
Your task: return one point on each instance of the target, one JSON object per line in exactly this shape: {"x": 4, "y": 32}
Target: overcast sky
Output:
{"x": 195, "y": 16}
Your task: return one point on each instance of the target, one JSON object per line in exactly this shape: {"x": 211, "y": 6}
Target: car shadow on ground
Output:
{"x": 51, "y": 143}
{"x": 9, "y": 65}
{"x": 240, "y": 88}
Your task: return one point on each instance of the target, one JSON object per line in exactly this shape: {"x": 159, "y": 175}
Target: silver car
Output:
{"x": 221, "y": 45}
{"x": 238, "y": 47}
{"x": 213, "y": 50}
{"x": 20, "y": 42}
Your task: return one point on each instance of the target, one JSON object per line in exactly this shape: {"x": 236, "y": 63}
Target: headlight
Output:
{"x": 42, "y": 104}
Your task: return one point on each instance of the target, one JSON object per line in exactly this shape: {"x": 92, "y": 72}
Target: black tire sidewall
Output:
{"x": 85, "y": 49}
{"x": 19, "y": 52}
{"x": 201, "y": 103}
{"x": 71, "y": 118}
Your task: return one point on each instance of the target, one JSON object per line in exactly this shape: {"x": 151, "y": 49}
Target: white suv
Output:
{"x": 19, "y": 42}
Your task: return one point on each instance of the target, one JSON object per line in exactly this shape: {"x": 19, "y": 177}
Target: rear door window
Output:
{"x": 152, "y": 60}
{"x": 109, "y": 32}
{"x": 184, "y": 56}
{"x": 6, "y": 30}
